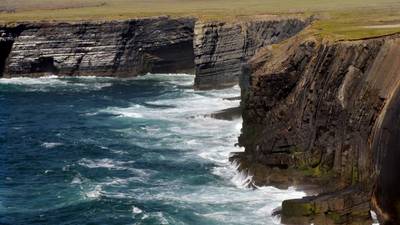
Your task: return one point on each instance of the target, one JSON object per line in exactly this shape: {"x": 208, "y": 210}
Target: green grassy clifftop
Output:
{"x": 341, "y": 19}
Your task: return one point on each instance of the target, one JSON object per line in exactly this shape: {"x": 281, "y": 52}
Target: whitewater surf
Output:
{"x": 123, "y": 151}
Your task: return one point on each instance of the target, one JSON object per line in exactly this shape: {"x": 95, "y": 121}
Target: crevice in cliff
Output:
{"x": 127, "y": 37}
{"x": 77, "y": 66}
{"x": 172, "y": 58}
{"x": 5, "y": 50}
{"x": 44, "y": 65}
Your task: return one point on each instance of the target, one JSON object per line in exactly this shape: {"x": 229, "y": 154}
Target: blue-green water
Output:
{"x": 114, "y": 151}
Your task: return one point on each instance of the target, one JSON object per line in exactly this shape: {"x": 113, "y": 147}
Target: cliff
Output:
{"x": 222, "y": 47}
{"x": 326, "y": 113}
{"x": 115, "y": 48}
{"x": 214, "y": 50}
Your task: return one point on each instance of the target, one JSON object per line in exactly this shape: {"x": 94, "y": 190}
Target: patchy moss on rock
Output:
{"x": 336, "y": 217}
{"x": 297, "y": 208}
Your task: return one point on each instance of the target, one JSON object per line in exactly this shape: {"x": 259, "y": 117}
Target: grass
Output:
{"x": 341, "y": 19}
{"x": 359, "y": 24}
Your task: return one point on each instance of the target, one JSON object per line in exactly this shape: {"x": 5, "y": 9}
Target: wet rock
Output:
{"x": 228, "y": 114}
{"x": 232, "y": 98}
{"x": 350, "y": 206}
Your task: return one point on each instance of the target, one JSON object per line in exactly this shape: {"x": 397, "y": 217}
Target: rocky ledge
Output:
{"x": 325, "y": 113}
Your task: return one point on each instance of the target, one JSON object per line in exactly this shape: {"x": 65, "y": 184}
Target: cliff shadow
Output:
{"x": 5, "y": 50}
{"x": 44, "y": 65}
{"x": 387, "y": 148}
{"x": 172, "y": 58}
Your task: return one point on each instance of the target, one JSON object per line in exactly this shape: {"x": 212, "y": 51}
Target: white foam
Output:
{"x": 131, "y": 114}
{"x": 119, "y": 152}
{"x": 99, "y": 163}
{"x": 50, "y": 145}
{"x": 180, "y": 79}
{"x": 256, "y": 206}
{"x": 242, "y": 180}
{"x": 136, "y": 210}
{"x": 97, "y": 86}
{"x": 95, "y": 193}
{"x": 145, "y": 216}
{"x": 374, "y": 217}
{"x": 140, "y": 174}
{"x": 183, "y": 126}
{"x": 118, "y": 181}
{"x": 89, "y": 77}
{"x": 76, "y": 180}
{"x": 48, "y": 80}
{"x": 161, "y": 218}
{"x": 132, "y": 111}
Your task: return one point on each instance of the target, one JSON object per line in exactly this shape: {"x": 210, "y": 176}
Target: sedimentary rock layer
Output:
{"x": 116, "y": 48}
{"x": 324, "y": 112}
{"x": 215, "y": 50}
{"x": 222, "y": 47}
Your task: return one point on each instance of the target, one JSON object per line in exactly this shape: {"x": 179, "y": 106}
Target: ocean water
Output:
{"x": 123, "y": 151}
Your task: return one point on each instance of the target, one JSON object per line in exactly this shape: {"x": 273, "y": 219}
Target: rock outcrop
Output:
{"x": 116, "y": 48}
{"x": 326, "y": 113}
{"x": 222, "y": 47}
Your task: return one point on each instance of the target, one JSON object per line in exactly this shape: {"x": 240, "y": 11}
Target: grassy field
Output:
{"x": 343, "y": 19}
{"x": 358, "y": 24}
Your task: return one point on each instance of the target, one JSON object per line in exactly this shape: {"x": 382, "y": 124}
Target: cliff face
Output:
{"x": 119, "y": 48}
{"x": 215, "y": 50}
{"x": 326, "y": 113}
{"x": 222, "y": 47}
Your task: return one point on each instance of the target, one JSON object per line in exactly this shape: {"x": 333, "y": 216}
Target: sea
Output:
{"x": 145, "y": 150}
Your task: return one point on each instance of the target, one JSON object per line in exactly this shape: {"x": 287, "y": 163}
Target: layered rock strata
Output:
{"x": 214, "y": 50}
{"x": 326, "y": 113}
{"x": 116, "y": 48}
{"x": 222, "y": 47}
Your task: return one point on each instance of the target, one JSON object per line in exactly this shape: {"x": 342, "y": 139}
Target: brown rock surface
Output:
{"x": 328, "y": 113}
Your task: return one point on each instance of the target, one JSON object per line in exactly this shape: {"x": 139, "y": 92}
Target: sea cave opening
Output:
{"x": 5, "y": 49}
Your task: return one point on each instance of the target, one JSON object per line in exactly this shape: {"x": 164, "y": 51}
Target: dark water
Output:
{"x": 110, "y": 151}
